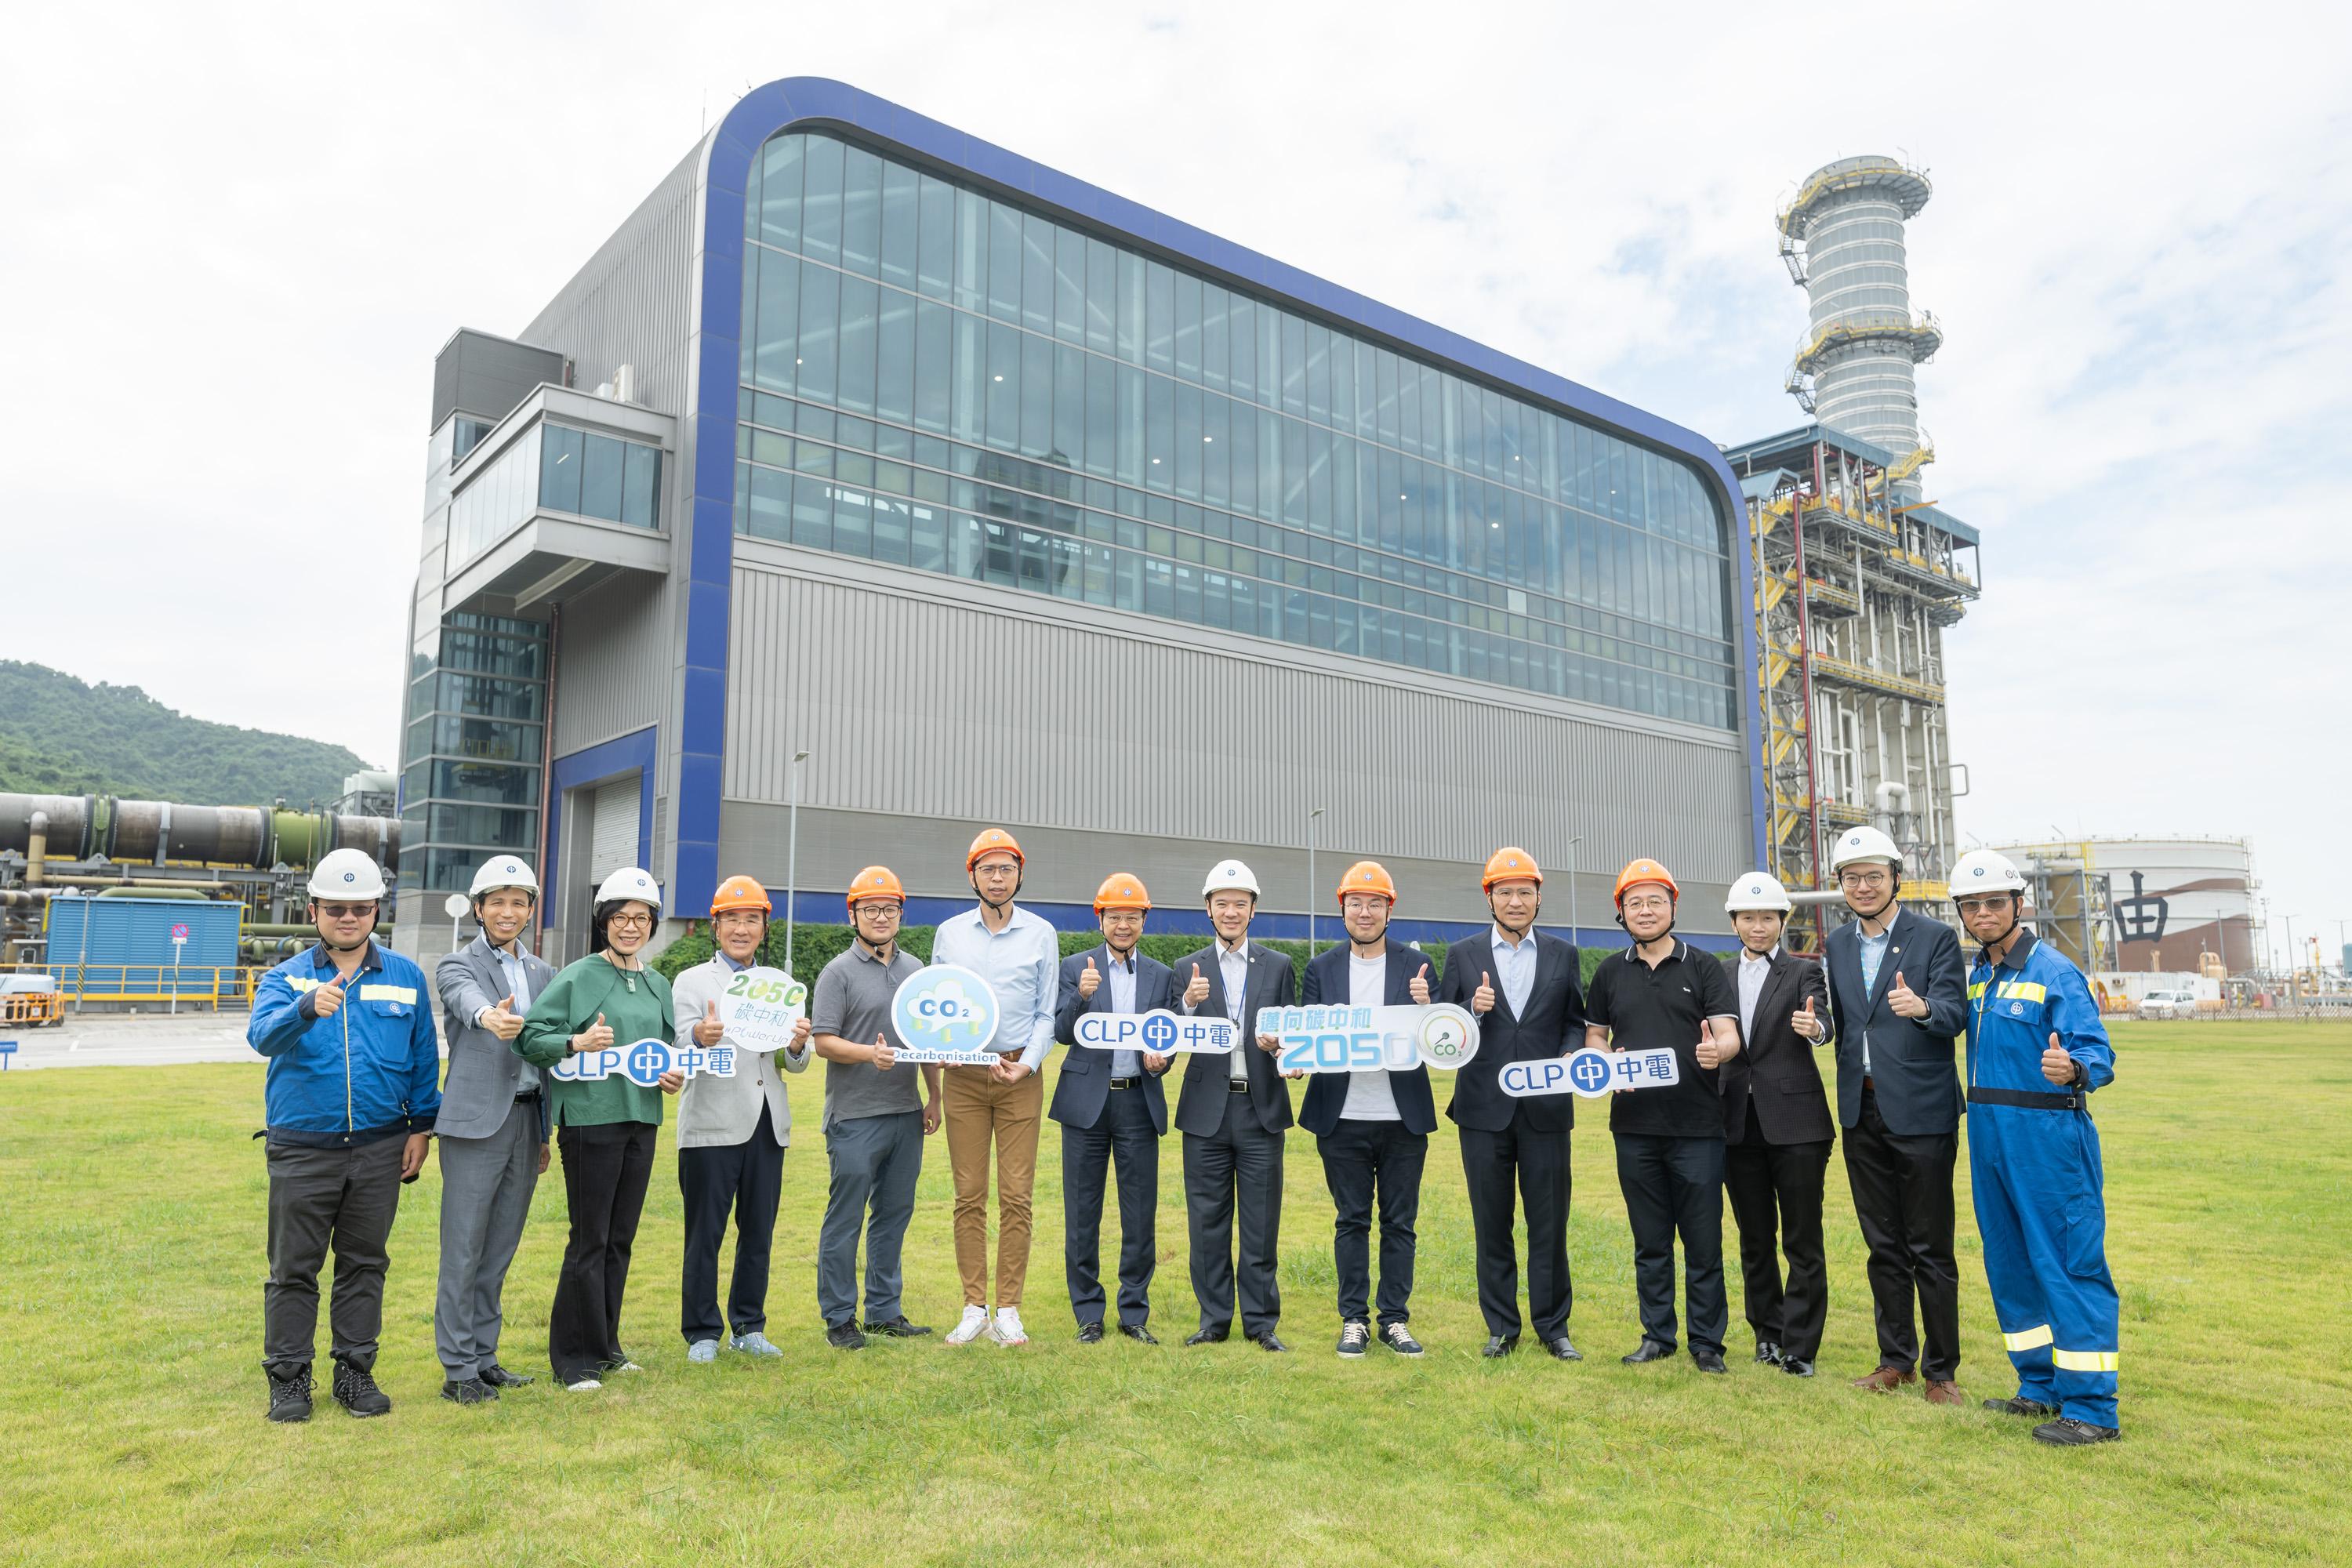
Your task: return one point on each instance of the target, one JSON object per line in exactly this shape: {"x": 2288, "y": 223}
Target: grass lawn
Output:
{"x": 131, "y": 1394}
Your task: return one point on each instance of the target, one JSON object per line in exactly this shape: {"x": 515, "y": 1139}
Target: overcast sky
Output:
{"x": 237, "y": 235}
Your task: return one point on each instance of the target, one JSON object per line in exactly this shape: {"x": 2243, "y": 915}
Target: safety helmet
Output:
{"x": 741, "y": 893}
{"x": 1757, "y": 891}
{"x": 1646, "y": 871}
{"x": 1986, "y": 872}
{"x": 1857, "y": 845}
{"x": 1121, "y": 891}
{"x": 1510, "y": 864}
{"x": 502, "y": 871}
{"x": 992, "y": 840}
{"x": 874, "y": 884}
{"x": 1230, "y": 877}
{"x": 630, "y": 884}
{"x": 347, "y": 874}
{"x": 1367, "y": 877}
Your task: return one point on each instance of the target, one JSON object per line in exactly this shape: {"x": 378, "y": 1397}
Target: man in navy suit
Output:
{"x": 1373, "y": 1127}
{"x": 1898, "y": 994}
{"x": 1523, "y": 985}
{"x": 1112, "y": 1112}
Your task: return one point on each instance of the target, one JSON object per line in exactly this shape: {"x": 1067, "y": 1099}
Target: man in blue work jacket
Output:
{"x": 351, "y": 1091}
{"x": 2036, "y": 1050}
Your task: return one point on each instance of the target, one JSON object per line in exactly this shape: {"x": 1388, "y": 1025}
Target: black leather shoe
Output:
{"x": 1708, "y": 1361}
{"x": 471, "y": 1390}
{"x": 845, "y": 1337}
{"x": 2067, "y": 1432}
{"x": 2020, "y": 1405}
{"x": 1266, "y": 1342}
{"x": 1564, "y": 1351}
{"x": 1796, "y": 1368}
{"x": 1090, "y": 1334}
{"x": 1767, "y": 1354}
{"x": 1499, "y": 1345}
{"x": 356, "y": 1392}
{"x": 1206, "y": 1337}
{"x": 1647, "y": 1350}
{"x": 898, "y": 1328}
{"x": 1138, "y": 1333}
{"x": 290, "y": 1397}
{"x": 498, "y": 1376}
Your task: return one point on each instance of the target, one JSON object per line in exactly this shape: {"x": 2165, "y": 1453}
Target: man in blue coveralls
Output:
{"x": 2036, "y": 1050}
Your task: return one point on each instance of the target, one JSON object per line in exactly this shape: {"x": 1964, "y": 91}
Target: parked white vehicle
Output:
{"x": 2168, "y": 1004}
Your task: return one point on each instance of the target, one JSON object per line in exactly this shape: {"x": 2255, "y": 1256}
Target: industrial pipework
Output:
{"x": 155, "y": 833}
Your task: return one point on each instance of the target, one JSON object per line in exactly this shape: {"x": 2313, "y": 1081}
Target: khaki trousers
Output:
{"x": 978, "y": 1107}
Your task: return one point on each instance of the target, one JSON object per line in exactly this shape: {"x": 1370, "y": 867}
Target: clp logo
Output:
{"x": 945, "y": 1007}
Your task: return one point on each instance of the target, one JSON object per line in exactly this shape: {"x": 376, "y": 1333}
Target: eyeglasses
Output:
{"x": 1649, "y": 905}
{"x": 877, "y": 912}
{"x": 345, "y": 911}
{"x": 1993, "y": 905}
{"x": 1862, "y": 879}
{"x": 630, "y": 922}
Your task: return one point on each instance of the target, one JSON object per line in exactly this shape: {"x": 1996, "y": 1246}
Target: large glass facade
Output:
{"x": 554, "y": 468}
{"x": 470, "y": 760}
{"x": 935, "y": 378}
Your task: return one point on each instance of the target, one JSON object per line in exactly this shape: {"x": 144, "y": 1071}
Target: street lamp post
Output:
{"x": 1310, "y": 880}
{"x": 792, "y": 858}
{"x": 2293, "y": 991}
{"x": 1575, "y": 863}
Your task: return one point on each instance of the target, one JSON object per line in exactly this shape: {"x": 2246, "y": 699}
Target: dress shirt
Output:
{"x": 518, "y": 985}
{"x": 1872, "y": 952}
{"x": 1022, "y": 965}
{"x": 1514, "y": 967}
{"x": 1753, "y": 973}
{"x": 1123, "y": 1064}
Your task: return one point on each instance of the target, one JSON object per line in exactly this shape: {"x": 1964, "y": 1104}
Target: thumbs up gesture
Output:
{"x": 708, "y": 1030}
{"x": 1483, "y": 999}
{"x": 1196, "y": 990}
{"x": 328, "y": 998}
{"x": 503, "y": 1020}
{"x": 1420, "y": 986}
{"x": 1091, "y": 980}
{"x": 1808, "y": 1023}
{"x": 1712, "y": 1053}
{"x": 1904, "y": 1002}
{"x": 2056, "y": 1065}
{"x": 884, "y": 1058}
{"x": 594, "y": 1037}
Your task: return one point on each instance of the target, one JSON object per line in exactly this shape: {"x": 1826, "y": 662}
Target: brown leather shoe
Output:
{"x": 1885, "y": 1380}
{"x": 1944, "y": 1392}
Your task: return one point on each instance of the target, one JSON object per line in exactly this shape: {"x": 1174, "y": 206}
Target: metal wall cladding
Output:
{"x": 633, "y": 303}
{"x": 614, "y": 653}
{"x": 918, "y": 706}
{"x": 137, "y": 933}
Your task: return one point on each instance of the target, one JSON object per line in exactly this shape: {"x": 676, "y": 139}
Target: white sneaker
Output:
{"x": 585, "y": 1386}
{"x": 702, "y": 1350}
{"x": 628, "y": 1366}
{"x": 968, "y": 1327}
{"x": 1006, "y": 1330}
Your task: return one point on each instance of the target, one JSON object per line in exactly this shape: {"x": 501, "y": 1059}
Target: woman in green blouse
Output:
{"x": 606, "y": 1126}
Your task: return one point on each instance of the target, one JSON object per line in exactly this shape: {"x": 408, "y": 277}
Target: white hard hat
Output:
{"x": 346, "y": 874}
{"x": 1757, "y": 891}
{"x": 1986, "y": 872}
{"x": 630, "y": 883}
{"x": 1859, "y": 844}
{"x": 502, "y": 871}
{"x": 1230, "y": 877}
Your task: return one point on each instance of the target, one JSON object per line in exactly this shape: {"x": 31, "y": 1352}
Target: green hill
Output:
{"x": 61, "y": 736}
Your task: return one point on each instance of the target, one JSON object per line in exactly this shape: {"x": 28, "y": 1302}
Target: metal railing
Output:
{"x": 214, "y": 985}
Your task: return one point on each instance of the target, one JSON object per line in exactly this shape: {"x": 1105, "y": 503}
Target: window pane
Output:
{"x": 1069, "y": 408}
{"x": 935, "y": 259}
{"x": 1004, "y": 262}
{"x": 1102, "y": 415}
{"x": 861, "y": 212}
{"x": 1102, "y": 296}
{"x": 900, "y": 208}
{"x": 820, "y": 314}
{"x": 779, "y": 192}
{"x": 1188, "y": 327}
{"x": 772, "y": 503}
{"x": 1036, "y": 396}
{"x": 1004, "y": 387}
{"x": 1242, "y": 337}
{"x": 1130, "y": 308}
{"x": 1159, "y": 317}
{"x": 821, "y": 206}
{"x": 640, "y": 486}
{"x": 894, "y": 369}
{"x": 934, "y": 361}
{"x": 1037, "y": 274}
{"x": 1319, "y": 373}
{"x": 599, "y": 479}
{"x": 779, "y": 327}
{"x": 559, "y": 466}
{"x": 859, "y": 308}
{"x": 1070, "y": 286}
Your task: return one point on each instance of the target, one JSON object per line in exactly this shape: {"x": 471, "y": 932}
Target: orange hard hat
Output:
{"x": 1510, "y": 864}
{"x": 1121, "y": 891}
{"x": 1645, "y": 870}
{"x": 873, "y": 884}
{"x": 994, "y": 839}
{"x": 1367, "y": 877}
{"x": 741, "y": 893}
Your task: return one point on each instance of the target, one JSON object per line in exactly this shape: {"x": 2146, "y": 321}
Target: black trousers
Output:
{"x": 744, "y": 1178}
{"x": 605, "y": 1169}
{"x": 342, "y": 1199}
{"x": 1235, "y": 1172}
{"x": 1538, "y": 1165}
{"x": 1775, "y": 1197}
{"x": 1364, "y": 1162}
{"x": 1124, "y": 1137}
{"x": 1903, "y": 1196}
{"x": 1674, "y": 1186}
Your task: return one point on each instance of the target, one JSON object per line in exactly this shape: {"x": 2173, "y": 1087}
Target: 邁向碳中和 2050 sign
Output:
{"x": 1367, "y": 1039}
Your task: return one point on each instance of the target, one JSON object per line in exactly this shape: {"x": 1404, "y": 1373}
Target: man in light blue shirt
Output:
{"x": 1021, "y": 958}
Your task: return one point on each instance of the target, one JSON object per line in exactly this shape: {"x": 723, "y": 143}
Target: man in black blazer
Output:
{"x": 1112, "y": 1110}
{"x": 1777, "y": 1131}
{"x": 1898, "y": 994}
{"x": 1233, "y": 1111}
{"x": 1523, "y": 985}
{"x": 1371, "y": 1128}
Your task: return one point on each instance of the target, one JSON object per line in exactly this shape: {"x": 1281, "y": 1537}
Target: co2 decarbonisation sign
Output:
{"x": 1160, "y": 1032}
{"x": 945, "y": 1013}
{"x": 760, "y": 1008}
{"x": 644, "y": 1062}
{"x": 1367, "y": 1039}
{"x": 1590, "y": 1072}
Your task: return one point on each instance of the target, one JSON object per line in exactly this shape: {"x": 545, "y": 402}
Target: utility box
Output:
{"x": 121, "y": 949}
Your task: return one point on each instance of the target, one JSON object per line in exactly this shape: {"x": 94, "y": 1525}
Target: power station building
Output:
{"x": 872, "y": 468}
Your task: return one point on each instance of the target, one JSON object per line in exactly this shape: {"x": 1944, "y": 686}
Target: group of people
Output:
{"x": 353, "y": 1097}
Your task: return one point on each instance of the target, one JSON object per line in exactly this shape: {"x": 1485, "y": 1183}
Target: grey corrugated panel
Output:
{"x": 615, "y": 662}
{"x": 631, "y": 304}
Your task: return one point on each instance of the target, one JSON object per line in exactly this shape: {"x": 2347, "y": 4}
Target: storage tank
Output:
{"x": 2171, "y": 900}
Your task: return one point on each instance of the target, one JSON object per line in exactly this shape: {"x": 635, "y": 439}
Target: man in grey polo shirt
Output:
{"x": 874, "y": 1119}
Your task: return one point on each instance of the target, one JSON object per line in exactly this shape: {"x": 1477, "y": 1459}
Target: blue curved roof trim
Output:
{"x": 798, "y": 100}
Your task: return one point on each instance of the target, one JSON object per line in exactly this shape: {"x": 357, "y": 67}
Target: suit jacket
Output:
{"x": 1912, "y": 1066}
{"x": 1084, "y": 1081}
{"x": 484, "y": 1072}
{"x": 1775, "y": 1066}
{"x": 715, "y": 1113}
{"x": 1327, "y": 1093}
{"x": 1201, "y": 1105}
{"x": 1553, "y": 1026}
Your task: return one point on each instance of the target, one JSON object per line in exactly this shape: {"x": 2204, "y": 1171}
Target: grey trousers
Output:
{"x": 323, "y": 1199}
{"x": 874, "y": 1160}
{"x": 486, "y": 1188}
